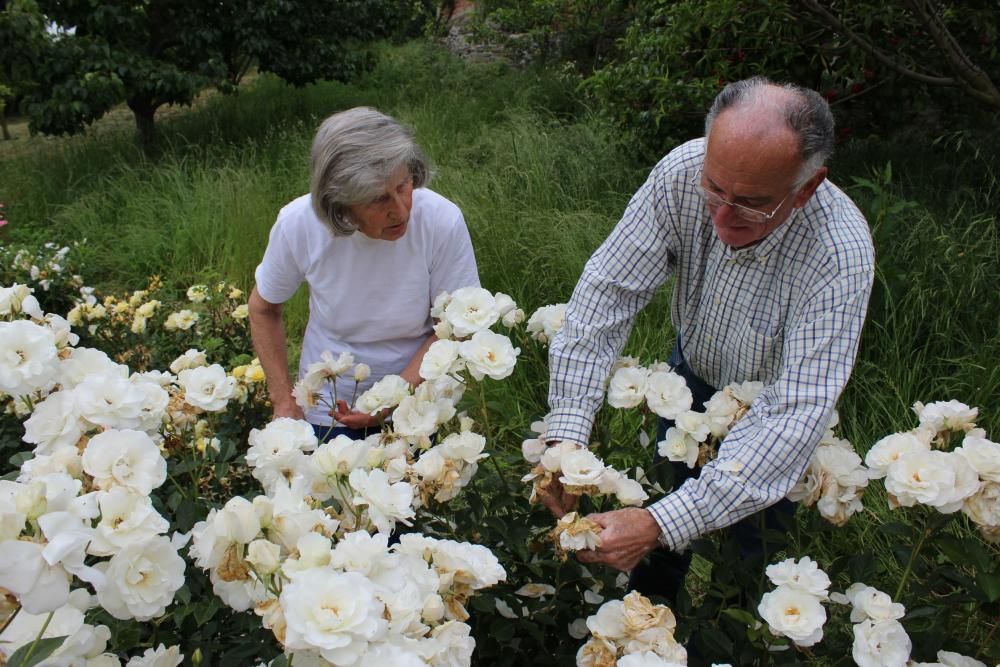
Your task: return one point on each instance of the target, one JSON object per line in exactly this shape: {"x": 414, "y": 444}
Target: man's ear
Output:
{"x": 807, "y": 190}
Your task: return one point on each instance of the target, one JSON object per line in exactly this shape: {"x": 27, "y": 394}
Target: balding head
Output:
{"x": 764, "y": 110}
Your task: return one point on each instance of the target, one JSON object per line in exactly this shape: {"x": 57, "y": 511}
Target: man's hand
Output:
{"x": 628, "y": 535}
{"x": 554, "y": 497}
{"x": 354, "y": 419}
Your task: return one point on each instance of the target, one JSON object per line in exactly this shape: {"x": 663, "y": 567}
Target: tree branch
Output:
{"x": 831, "y": 20}
{"x": 978, "y": 83}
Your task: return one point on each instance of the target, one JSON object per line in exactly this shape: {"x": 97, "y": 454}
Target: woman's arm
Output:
{"x": 267, "y": 328}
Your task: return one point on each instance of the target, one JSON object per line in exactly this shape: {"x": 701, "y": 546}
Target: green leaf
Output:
{"x": 39, "y": 650}
{"x": 741, "y": 615}
{"x": 989, "y": 584}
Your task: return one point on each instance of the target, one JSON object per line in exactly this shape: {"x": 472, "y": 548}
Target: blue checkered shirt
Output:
{"x": 787, "y": 311}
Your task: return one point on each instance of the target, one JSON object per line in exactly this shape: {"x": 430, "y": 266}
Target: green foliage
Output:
{"x": 157, "y": 54}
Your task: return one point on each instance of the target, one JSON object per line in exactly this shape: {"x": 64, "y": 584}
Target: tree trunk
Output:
{"x": 3, "y": 121}
{"x": 144, "y": 112}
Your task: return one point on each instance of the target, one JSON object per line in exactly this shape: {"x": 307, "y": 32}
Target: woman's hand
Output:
{"x": 355, "y": 419}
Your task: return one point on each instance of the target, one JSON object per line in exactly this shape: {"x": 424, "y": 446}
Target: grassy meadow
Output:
{"x": 541, "y": 181}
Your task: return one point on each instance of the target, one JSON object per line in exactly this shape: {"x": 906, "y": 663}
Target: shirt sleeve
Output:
{"x": 454, "y": 262}
{"x": 767, "y": 451}
{"x": 279, "y": 273}
{"x": 617, "y": 282}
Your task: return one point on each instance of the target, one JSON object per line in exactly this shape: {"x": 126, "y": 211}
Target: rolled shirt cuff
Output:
{"x": 678, "y": 519}
{"x": 569, "y": 424}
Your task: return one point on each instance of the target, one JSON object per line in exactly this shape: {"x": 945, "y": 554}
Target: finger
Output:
{"x": 552, "y": 504}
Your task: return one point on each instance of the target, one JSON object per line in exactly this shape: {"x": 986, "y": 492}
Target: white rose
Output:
{"x": 470, "y": 310}
{"x": 546, "y": 322}
{"x": 630, "y": 492}
{"x": 190, "y": 359}
{"x": 869, "y": 602}
{"x": 110, "y": 401}
{"x": 667, "y": 394}
{"x": 695, "y": 424}
{"x": 887, "y": 451}
{"x": 440, "y": 359}
{"x": 609, "y": 621}
{"x": 880, "y": 644}
{"x": 580, "y": 467}
{"x": 532, "y": 449}
{"x": 535, "y": 590}
{"x": 940, "y": 479}
{"x": 386, "y": 393}
{"x": 627, "y": 388}
{"x": 126, "y": 518}
{"x": 677, "y": 445}
{"x": 362, "y": 372}
{"x": 414, "y": 418}
{"x": 54, "y": 423}
{"x": 946, "y": 416}
{"x": 161, "y": 656}
{"x": 207, "y": 387}
{"x": 141, "y": 579}
{"x": 39, "y": 587}
{"x": 183, "y": 320}
{"x": 949, "y": 659}
{"x": 488, "y": 353}
{"x": 645, "y": 659}
{"x": 387, "y": 503}
{"x": 983, "y": 455}
{"x": 125, "y": 458}
{"x": 85, "y": 362}
{"x": 793, "y": 613}
{"x": 28, "y": 357}
{"x": 983, "y": 507}
{"x": 337, "y": 614}
{"x": 803, "y": 575}
{"x": 467, "y": 446}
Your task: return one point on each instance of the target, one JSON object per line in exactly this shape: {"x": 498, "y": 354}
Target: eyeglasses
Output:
{"x": 744, "y": 212}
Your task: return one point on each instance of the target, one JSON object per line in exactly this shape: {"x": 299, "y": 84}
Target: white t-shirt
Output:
{"x": 369, "y": 297}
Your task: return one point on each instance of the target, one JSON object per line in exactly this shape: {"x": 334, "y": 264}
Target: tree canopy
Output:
{"x": 148, "y": 54}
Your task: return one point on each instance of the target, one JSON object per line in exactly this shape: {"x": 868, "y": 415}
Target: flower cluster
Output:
{"x": 312, "y": 556}
{"x": 966, "y": 478}
{"x": 631, "y": 632}
{"x": 879, "y": 637}
{"x": 465, "y": 342}
{"x": 695, "y": 436}
{"x": 794, "y": 608}
{"x": 835, "y": 480}
{"x": 579, "y": 471}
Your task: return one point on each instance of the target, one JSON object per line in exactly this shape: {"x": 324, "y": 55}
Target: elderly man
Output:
{"x": 772, "y": 267}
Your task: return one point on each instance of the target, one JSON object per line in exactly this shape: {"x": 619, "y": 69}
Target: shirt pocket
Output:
{"x": 755, "y": 352}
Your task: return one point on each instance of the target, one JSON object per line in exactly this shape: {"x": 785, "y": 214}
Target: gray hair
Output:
{"x": 805, "y": 112}
{"x": 354, "y": 154}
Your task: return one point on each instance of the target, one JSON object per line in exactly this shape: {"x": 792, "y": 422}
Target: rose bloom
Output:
{"x": 470, "y": 310}
{"x": 190, "y": 359}
{"x": 667, "y": 394}
{"x": 869, "y": 602}
{"x": 387, "y": 503}
{"x": 207, "y": 387}
{"x": 161, "y": 656}
{"x": 983, "y": 508}
{"x": 793, "y": 613}
{"x": 441, "y": 359}
{"x": 489, "y": 354}
{"x": 609, "y": 621}
{"x": 803, "y": 575}
{"x": 581, "y": 467}
{"x": 627, "y": 388}
{"x": 645, "y": 659}
{"x": 141, "y": 579}
{"x": 125, "y": 458}
{"x": 983, "y": 455}
{"x": 28, "y": 360}
{"x": 887, "y": 451}
{"x": 880, "y": 644}
{"x": 386, "y": 393}
{"x": 546, "y": 322}
{"x": 126, "y": 518}
{"x": 337, "y": 614}
{"x": 946, "y": 416}
{"x": 940, "y": 479}
{"x": 53, "y": 423}
{"x": 678, "y": 446}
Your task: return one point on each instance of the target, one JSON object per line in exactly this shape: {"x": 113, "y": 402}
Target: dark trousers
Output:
{"x": 328, "y": 433}
{"x": 662, "y": 572}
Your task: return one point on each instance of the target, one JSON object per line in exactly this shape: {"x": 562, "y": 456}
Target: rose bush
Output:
{"x": 152, "y": 509}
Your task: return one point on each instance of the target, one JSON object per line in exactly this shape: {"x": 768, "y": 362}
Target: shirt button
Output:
{"x": 718, "y": 300}
{"x": 709, "y": 338}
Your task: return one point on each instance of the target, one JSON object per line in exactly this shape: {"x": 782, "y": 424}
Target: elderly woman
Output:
{"x": 375, "y": 247}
